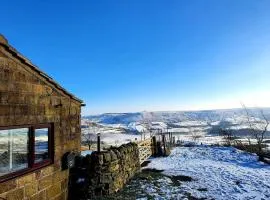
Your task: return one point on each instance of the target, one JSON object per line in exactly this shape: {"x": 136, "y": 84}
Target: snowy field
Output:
{"x": 113, "y": 138}
{"x": 118, "y": 139}
{"x": 216, "y": 172}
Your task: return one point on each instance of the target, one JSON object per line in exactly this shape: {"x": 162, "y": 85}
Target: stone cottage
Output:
{"x": 39, "y": 124}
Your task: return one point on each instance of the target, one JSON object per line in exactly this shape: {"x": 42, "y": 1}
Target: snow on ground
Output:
{"x": 118, "y": 139}
{"x": 136, "y": 126}
{"x": 158, "y": 125}
{"x": 204, "y": 139}
{"x": 217, "y": 173}
{"x": 113, "y": 125}
{"x": 191, "y": 123}
{"x": 210, "y": 140}
{"x": 179, "y": 130}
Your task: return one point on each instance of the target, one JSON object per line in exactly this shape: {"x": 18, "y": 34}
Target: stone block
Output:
{"x": 57, "y": 177}
{"x": 62, "y": 196}
{"x": 64, "y": 174}
{"x": 106, "y": 178}
{"x": 16, "y": 98}
{"x": 45, "y": 182}
{"x": 107, "y": 157}
{"x": 31, "y": 189}
{"x": 7, "y": 186}
{"x": 3, "y": 196}
{"x": 64, "y": 184}
{"x": 57, "y": 142}
{"x": 39, "y": 196}
{"x": 53, "y": 191}
{"x": 4, "y": 121}
{"x": 25, "y": 180}
{"x": 57, "y": 165}
{"x": 47, "y": 171}
{"x": 118, "y": 154}
{"x": 17, "y": 194}
{"x": 113, "y": 155}
{"x": 100, "y": 159}
{"x": 114, "y": 168}
{"x": 38, "y": 89}
{"x": 5, "y": 110}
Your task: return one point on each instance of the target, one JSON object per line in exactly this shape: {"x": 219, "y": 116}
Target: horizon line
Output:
{"x": 195, "y": 110}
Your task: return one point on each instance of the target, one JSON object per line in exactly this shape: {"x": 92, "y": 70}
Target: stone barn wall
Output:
{"x": 27, "y": 98}
{"x": 104, "y": 173}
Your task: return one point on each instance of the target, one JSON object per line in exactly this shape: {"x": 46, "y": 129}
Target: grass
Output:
{"x": 263, "y": 154}
{"x": 134, "y": 189}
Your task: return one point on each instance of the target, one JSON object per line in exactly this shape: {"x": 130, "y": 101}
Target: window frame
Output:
{"x": 32, "y": 166}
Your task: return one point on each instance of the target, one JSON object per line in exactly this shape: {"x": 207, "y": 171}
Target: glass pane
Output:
{"x": 41, "y": 144}
{"x": 13, "y": 150}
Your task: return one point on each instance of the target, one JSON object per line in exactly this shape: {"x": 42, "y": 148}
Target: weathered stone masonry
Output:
{"x": 104, "y": 173}
{"x": 28, "y": 96}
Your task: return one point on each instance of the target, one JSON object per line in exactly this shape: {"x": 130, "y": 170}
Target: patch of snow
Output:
{"x": 86, "y": 152}
{"x": 136, "y": 126}
{"x": 191, "y": 123}
{"x": 117, "y": 139}
{"x": 226, "y": 173}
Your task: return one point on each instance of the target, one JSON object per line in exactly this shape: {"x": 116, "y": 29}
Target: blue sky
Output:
{"x": 123, "y": 56}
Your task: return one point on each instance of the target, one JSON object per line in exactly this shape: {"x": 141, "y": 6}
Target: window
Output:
{"x": 41, "y": 136}
{"x": 24, "y": 149}
{"x": 13, "y": 150}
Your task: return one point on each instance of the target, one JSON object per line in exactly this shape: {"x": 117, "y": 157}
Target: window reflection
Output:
{"x": 41, "y": 144}
{"x": 13, "y": 150}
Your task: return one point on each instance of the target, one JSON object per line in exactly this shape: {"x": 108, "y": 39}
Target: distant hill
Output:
{"x": 115, "y": 118}
{"x": 175, "y": 116}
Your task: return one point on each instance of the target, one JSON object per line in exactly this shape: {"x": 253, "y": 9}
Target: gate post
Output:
{"x": 154, "y": 146}
{"x": 164, "y": 143}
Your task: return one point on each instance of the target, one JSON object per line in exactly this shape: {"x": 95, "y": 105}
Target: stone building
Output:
{"x": 39, "y": 123}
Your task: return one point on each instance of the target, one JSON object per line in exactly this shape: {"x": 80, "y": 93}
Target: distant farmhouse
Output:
{"x": 39, "y": 125}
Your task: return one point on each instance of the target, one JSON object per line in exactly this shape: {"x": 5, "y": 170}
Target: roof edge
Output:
{"x": 24, "y": 60}
{"x": 3, "y": 40}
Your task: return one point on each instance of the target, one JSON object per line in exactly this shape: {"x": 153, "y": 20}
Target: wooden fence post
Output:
{"x": 164, "y": 143}
{"x": 154, "y": 140}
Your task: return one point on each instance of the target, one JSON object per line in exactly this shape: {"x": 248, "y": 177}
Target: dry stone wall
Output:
{"x": 104, "y": 173}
